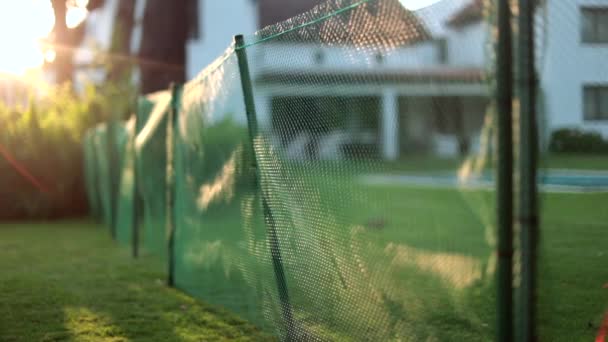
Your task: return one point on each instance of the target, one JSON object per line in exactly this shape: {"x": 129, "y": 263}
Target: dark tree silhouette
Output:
{"x": 121, "y": 41}
{"x": 163, "y": 45}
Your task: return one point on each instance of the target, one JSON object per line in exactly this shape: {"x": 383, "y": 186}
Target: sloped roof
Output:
{"x": 385, "y": 23}
{"x": 435, "y": 16}
{"x": 471, "y": 13}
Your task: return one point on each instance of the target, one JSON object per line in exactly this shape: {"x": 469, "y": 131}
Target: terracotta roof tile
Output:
{"x": 385, "y": 23}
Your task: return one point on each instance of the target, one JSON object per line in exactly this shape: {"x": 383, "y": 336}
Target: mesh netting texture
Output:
{"x": 291, "y": 183}
{"x": 274, "y": 213}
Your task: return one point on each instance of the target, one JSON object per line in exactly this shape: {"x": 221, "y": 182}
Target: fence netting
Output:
{"x": 572, "y": 302}
{"x": 329, "y": 177}
{"x": 100, "y": 172}
{"x": 91, "y": 174}
{"x": 392, "y": 258}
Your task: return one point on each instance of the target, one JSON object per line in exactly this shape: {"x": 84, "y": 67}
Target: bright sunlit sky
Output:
{"x": 417, "y": 4}
{"x": 24, "y": 23}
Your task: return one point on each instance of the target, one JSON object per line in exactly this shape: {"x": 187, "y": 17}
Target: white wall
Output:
{"x": 569, "y": 64}
{"x": 219, "y": 22}
{"x": 436, "y": 15}
{"x": 468, "y": 45}
{"x": 290, "y": 57}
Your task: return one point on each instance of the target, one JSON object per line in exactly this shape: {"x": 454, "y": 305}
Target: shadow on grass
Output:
{"x": 70, "y": 282}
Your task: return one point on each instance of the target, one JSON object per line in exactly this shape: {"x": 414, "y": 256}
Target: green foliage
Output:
{"x": 577, "y": 141}
{"x": 219, "y": 141}
{"x": 45, "y": 137}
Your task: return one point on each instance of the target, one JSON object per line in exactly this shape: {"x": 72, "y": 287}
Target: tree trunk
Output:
{"x": 121, "y": 40}
{"x": 64, "y": 66}
{"x": 163, "y": 47}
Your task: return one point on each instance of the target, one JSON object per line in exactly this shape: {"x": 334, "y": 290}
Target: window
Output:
{"x": 442, "y": 50}
{"x": 595, "y": 104}
{"x": 319, "y": 57}
{"x": 379, "y": 58}
{"x": 595, "y": 24}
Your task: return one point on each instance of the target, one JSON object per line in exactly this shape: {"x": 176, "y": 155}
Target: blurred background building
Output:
{"x": 434, "y": 85}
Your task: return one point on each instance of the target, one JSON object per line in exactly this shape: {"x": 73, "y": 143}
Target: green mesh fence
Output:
{"x": 151, "y": 163}
{"x": 91, "y": 174}
{"x": 275, "y": 192}
{"x": 126, "y": 186}
{"x": 102, "y": 172}
{"x": 221, "y": 247}
{"x": 572, "y": 289}
{"x": 333, "y": 177}
{"x": 392, "y": 259}
{"x": 104, "y": 156}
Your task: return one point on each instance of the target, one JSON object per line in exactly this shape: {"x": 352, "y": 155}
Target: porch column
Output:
{"x": 263, "y": 103}
{"x": 389, "y": 123}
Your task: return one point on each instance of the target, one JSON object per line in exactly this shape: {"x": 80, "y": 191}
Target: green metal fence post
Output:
{"x": 275, "y": 250}
{"x": 136, "y": 200}
{"x": 171, "y": 193}
{"x": 504, "y": 193}
{"x": 528, "y": 149}
{"x": 96, "y": 190}
{"x": 113, "y": 171}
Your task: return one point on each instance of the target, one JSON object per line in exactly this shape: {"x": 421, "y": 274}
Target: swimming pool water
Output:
{"x": 552, "y": 181}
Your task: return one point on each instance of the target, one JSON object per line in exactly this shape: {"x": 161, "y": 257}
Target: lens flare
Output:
{"x": 22, "y": 25}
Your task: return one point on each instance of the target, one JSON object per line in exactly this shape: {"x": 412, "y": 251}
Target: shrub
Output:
{"x": 45, "y": 137}
{"x": 570, "y": 140}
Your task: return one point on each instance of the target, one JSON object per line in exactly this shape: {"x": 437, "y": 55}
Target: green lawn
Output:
{"x": 428, "y": 254}
{"x": 69, "y": 282}
{"x": 370, "y": 262}
{"x": 572, "y": 266}
{"x": 389, "y": 262}
{"x": 441, "y": 225}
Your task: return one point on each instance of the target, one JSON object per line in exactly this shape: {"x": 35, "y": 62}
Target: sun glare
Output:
{"x": 50, "y": 55}
{"x": 75, "y": 15}
{"x": 22, "y": 24}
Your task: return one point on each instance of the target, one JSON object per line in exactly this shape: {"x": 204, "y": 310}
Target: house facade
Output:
{"x": 427, "y": 95}
{"x": 430, "y": 94}
{"x": 218, "y": 22}
{"x": 573, "y": 65}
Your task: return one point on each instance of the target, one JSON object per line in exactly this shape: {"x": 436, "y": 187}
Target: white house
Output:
{"x": 218, "y": 23}
{"x": 571, "y": 51}
{"x": 574, "y": 65}
{"x": 429, "y": 94}
{"x": 433, "y": 95}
